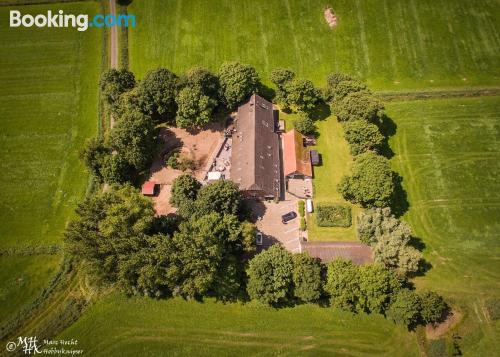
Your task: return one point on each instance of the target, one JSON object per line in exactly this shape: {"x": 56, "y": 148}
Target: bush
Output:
{"x": 328, "y": 215}
{"x": 303, "y": 225}
{"x": 173, "y": 160}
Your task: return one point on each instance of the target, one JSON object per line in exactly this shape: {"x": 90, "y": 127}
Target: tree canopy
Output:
{"x": 377, "y": 284}
{"x": 358, "y": 105}
{"x": 405, "y": 308}
{"x": 157, "y": 91}
{"x": 114, "y": 83}
{"x": 307, "y": 282}
{"x": 362, "y": 136}
{"x": 221, "y": 196}
{"x": 194, "y": 108}
{"x": 280, "y": 77}
{"x": 302, "y": 94}
{"x": 184, "y": 187}
{"x": 237, "y": 82}
{"x": 134, "y": 138}
{"x": 342, "y": 284}
{"x": 371, "y": 183}
{"x": 390, "y": 238}
{"x": 270, "y": 276}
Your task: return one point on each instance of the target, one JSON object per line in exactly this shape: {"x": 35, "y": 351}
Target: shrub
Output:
{"x": 328, "y": 215}
{"x": 173, "y": 160}
{"x": 303, "y": 225}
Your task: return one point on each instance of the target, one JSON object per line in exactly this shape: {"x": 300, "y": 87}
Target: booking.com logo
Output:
{"x": 60, "y": 19}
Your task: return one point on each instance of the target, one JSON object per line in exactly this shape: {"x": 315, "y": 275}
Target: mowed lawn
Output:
{"x": 394, "y": 45}
{"x": 118, "y": 326}
{"x": 448, "y": 152}
{"x": 48, "y": 107}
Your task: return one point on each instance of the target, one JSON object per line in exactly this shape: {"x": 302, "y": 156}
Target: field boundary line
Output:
{"x": 437, "y": 94}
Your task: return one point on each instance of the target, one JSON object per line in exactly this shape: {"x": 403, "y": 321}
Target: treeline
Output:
{"x": 279, "y": 278}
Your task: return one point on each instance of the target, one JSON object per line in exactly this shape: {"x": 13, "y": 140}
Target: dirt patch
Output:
{"x": 435, "y": 332}
{"x": 330, "y": 17}
{"x": 199, "y": 146}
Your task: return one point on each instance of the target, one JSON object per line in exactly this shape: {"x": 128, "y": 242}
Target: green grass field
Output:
{"x": 394, "y": 45}
{"x": 48, "y": 107}
{"x": 448, "y": 152}
{"x": 117, "y": 326}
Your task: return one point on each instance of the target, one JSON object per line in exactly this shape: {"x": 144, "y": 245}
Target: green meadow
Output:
{"x": 394, "y": 45}
{"x": 119, "y": 326}
{"x": 448, "y": 152}
{"x": 48, "y": 107}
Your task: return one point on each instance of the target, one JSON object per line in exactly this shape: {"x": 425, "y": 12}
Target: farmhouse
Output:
{"x": 255, "y": 162}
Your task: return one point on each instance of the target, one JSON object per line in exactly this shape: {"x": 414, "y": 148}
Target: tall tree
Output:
{"x": 270, "y": 276}
{"x": 362, "y": 136}
{"x": 237, "y": 82}
{"x": 302, "y": 94}
{"x": 377, "y": 284}
{"x": 307, "y": 282}
{"x": 405, "y": 308}
{"x": 371, "y": 182}
{"x": 358, "y": 105}
{"x": 157, "y": 90}
{"x": 222, "y": 196}
{"x": 114, "y": 83}
{"x": 134, "y": 138}
{"x": 280, "y": 78}
{"x": 93, "y": 155}
{"x": 195, "y": 109}
{"x": 342, "y": 284}
{"x": 109, "y": 227}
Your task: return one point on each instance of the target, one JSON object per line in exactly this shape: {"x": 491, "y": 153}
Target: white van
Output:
{"x": 309, "y": 205}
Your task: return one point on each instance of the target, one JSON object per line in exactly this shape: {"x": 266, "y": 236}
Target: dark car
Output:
{"x": 287, "y": 217}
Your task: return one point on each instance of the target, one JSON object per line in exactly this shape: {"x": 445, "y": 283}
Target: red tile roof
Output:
{"x": 148, "y": 188}
{"x": 295, "y": 155}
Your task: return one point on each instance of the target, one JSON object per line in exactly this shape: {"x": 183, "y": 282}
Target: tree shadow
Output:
{"x": 266, "y": 92}
{"x": 387, "y": 128}
{"x": 399, "y": 203}
{"x": 321, "y": 111}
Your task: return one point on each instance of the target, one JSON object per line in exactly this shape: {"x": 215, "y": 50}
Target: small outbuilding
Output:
{"x": 148, "y": 188}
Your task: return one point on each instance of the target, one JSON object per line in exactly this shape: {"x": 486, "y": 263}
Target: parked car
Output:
{"x": 258, "y": 238}
{"x": 309, "y": 205}
{"x": 287, "y": 217}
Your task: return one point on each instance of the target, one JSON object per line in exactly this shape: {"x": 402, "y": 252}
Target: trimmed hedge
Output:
{"x": 332, "y": 215}
{"x": 302, "y": 210}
